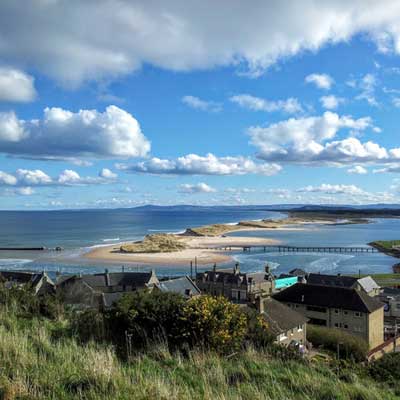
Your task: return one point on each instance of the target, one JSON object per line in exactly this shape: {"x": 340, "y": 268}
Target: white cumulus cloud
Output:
{"x": 16, "y": 86}
{"x": 107, "y": 174}
{"x": 321, "y": 81}
{"x": 332, "y": 189}
{"x": 357, "y": 169}
{"x": 311, "y": 140}
{"x": 193, "y": 164}
{"x": 7, "y": 179}
{"x": 331, "y": 102}
{"x": 196, "y": 188}
{"x": 109, "y": 39}
{"x": 199, "y": 104}
{"x": 63, "y": 134}
{"x": 33, "y": 177}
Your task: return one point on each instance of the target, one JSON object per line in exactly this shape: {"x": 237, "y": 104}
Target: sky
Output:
{"x": 123, "y": 103}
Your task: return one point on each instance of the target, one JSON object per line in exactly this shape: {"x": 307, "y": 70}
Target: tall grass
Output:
{"x": 37, "y": 362}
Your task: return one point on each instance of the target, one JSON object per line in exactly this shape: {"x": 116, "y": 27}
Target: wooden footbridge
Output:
{"x": 304, "y": 249}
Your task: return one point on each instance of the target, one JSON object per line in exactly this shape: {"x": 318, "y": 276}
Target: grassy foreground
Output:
{"x": 39, "y": 360}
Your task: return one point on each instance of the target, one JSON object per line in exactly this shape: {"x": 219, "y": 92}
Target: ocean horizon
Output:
{"x": 79, "y": 231}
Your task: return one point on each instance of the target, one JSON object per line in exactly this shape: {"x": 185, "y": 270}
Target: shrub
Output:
{"x": 89, "y": 325}
{"x": 387, "y": 368}
{"x": 215, "y": 323}
{"x": 350, "y": 347}
{"x": 23, "y": 302}
{"x": 146, "y": 317}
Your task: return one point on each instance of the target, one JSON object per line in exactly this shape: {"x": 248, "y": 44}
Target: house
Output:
{"x": 298, "y": 272}
{"x": 367, "y": 284}
{"x": 347, "y": 309}
{"x": 183, "y": 286}
{"x": 286, "y": 324}
{"x": 390, "y": 297}
{"x": 237, "y": 286}
{"x": 40, "y": 282}
{"x": 102, "y": 290}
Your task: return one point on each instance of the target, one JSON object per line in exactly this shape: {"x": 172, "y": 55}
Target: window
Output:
{"x": 345, "y": 326}
{"x": 345, "y": 312}
{"x": 398, "y": 306}
{"x": 357, "y": 314}
{"x": 336, "y": 325}
{"x": 336, "y": 311}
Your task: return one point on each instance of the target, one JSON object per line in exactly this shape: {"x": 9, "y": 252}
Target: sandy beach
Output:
{"x": 197, "y": 247}
{"x": 201, "y": 248}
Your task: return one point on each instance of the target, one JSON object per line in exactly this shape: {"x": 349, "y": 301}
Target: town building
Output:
{"x": 183, "y": 286}
{"x": 347, "y": 309}
{"x": 390, "y": 297}
{"x": 239, "y": 287}
{"x": 104, "y": 289}
{"x": 367, "y": 284}
{"x": 286, "y": 324}
{"x": 39, "y": 282}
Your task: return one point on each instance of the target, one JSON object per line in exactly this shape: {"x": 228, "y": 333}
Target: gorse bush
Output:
{"x": 349, "y": 346}
{"x": 214, "y": 323}
{"x": 142, "y": 319}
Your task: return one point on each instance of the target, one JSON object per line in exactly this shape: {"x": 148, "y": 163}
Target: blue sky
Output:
{"x": 117, "y": 104}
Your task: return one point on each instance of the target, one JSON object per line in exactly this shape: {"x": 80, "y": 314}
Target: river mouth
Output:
{"x": 71, "y": 261}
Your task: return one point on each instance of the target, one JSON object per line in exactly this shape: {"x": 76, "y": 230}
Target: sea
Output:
{"x": 78, "y": 231}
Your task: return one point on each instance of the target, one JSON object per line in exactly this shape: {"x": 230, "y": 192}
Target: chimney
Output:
{"x": 236, "y": 269}
{"x": 260, "y": 304}
{"x": 267, "y": 269}
{"x": 215, "y": 267}
{"x": 107, "y": 277}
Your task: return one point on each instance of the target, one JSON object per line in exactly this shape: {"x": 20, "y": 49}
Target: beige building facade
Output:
{"x": 349, "y": 310}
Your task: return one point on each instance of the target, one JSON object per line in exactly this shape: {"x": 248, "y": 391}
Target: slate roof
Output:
{"x": 298, "y": 272}
{"x": 229, "y": 276}
{"x": 110, "y": 298}
{"x": 98, "y": 281}
{"x": 179, "y": 285}
{"x": 331, "y": 280}
{"x": 329, "y": 296}
{"x": 22, "y": 277}
{"x": 280, "y": 317}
